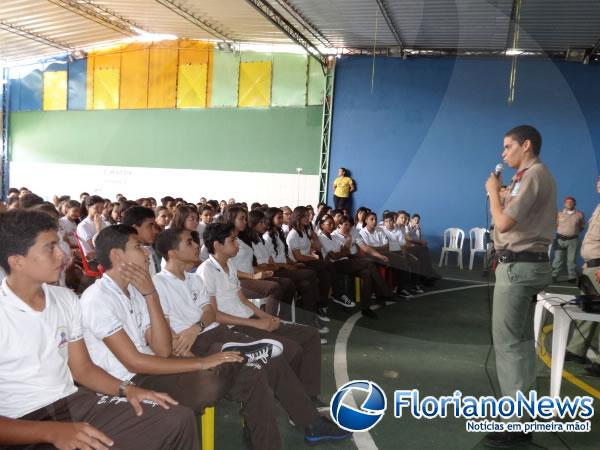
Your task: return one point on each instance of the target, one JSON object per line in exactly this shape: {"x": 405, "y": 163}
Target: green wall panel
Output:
{"x": 270, "y": 140}
{"x": 226, "y": 74}
{"x": 289, "y": 80}
{"x": 316, "y": 82}
{"x": 256, "y": 56}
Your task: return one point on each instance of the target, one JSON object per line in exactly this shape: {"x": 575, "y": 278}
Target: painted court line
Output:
{"x": 363, "y": 441}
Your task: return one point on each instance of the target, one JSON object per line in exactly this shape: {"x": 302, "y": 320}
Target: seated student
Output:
{"x": 67, "y": 225}
{"x": 114, "y": 213}
{"x": 261, "y": 283}
{"x": 144, "y": 222}
{"x": 163, "y": 218}
{"x": 127, "y": 334}
{"x": 359, "y": 218}
{"x": 186, "y": 303}
{"x": 418, "y": 247}
{"x": 345, "y": 263}
{"x": 206, "y": 217}
{"x": 301, "y": 344}
{"x": 39, "y": 402}
{"x": 93, "y": 223}
{"x": 373, "y": 237}
{"x": 287, "y": 215}
{"x": 415, "y": 226}
{"x": 186, "y": 216}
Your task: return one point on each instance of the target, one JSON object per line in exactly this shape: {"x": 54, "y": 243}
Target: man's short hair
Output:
{"x": 30, "y": 200}
{"x": 216, "y": 232}
{"x": 389, "y": 215}
{"x": 73, "y": 204}
{"x": 114, "y": 236}
{"x": 167, "y": 240}
{"x": 136, "y": 215}
{"x": 524, "y": 133}
{"x": 18, "y": 231}
{"x": 404, "y": 213}
{"x": 13, "y": 191}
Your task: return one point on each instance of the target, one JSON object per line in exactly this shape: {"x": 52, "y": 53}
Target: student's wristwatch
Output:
{"x": 123, "y": 386}
{"x": 201, "y": 325}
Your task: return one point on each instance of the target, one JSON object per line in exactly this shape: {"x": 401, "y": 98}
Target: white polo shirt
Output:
{"x": 295, "y": 242}
{"x": 286, "y": 228}
{"x": 34, "y": 350}
{"x": 67, "y": 229}
{"x": 2, "y": 274}
{"x": 342, "y": 240}
{"x": 395, "y": 238}
{"x": 86, "y": 230}
{"x": 107, "y": 310}
{"x": 243, "y": 260}
{"x": 182, "y": 301}
{"x": 329, "y": 244}
{"x": 375, "y": 239}
{"x": 224, "y": 286}
{"x": 262, "y": 251}
{"x": 280, "y": 256}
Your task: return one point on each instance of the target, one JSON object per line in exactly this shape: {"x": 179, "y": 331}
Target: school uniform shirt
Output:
{"x": 200, "y": 229}
{"x": 395, "y": 238}
{"x": 286, "y": 229}
{"x": 243, "y": 260}
{"x": 2, "y": 274}
{"x": 154, "y": 261}
{"x": 34, "y": 355}
{"x": 86, "y": 230}
{"x": 278, "y": 255}
{"x": 182, "y": 300}
{"x": 66, "y": 228}
{"x": 342, "y": 240}
{"x": 329, "y": 244}
{"x": 262, "y": 251}
{"x": 295, "y": 242}
{"x": 375, "y": 239}
{"x": 107, "y": 310}
{"x": 224, "y": 287}
{"x": 204, "y": 253}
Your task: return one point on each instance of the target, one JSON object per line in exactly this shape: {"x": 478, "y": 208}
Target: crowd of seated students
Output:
{"x": 172, "y": 302}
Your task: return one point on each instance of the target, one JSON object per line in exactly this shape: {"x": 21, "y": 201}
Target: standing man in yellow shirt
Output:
{"x": 343, "y": 186}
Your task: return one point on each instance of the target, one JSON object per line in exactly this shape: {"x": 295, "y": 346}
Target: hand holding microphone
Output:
{"x": 494, "y": 182}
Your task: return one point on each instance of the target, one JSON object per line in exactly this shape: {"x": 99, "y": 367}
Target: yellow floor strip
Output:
{"x": 545, "y": 356}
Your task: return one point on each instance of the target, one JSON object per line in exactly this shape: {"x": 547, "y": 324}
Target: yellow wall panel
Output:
{"x": 134, "y": 77}
{"x": 106, "y": 80}
{"x": 191, "y": 86}
{"x": 162, "y": 75}
{"x": 55, "y": 91}
{"x": 255, "y": 84}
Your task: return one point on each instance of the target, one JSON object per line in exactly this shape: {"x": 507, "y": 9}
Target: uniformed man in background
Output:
{"x": 523, "y": 231}
{"x": 570, "y": 223}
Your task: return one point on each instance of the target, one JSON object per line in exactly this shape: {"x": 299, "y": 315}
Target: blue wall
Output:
{"x": 428, "y": 134}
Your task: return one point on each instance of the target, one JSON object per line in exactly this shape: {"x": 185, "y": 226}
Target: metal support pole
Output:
{"x": 326, "y": 132}
{"x": 4, "y": 174}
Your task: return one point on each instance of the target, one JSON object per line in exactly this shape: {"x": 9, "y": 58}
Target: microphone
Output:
{"x": 498, "y": 170}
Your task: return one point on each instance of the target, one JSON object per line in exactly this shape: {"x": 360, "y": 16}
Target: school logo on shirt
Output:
{"x": 195, "y": 295}
{"x": 62, "y": 334}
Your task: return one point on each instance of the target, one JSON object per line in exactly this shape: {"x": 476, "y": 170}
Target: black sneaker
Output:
{"x": 506, "y": 439}
{"x": 324, "y": 431}
{"x": 257, "y": 352}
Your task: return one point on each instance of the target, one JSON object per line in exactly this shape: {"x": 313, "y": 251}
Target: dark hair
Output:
{"x": 18, "y": 231}
{"x": 12, "y": 191}
{"x": 296, "y": 220}
{"x": 345, "y": 219}
{"x": 73, "y": 204}
{"x": 178, "y": 221}
{"x": 404, "y": 213}
{"x": 524, "y": 133}
{"x": 369, "y": 214}
{"x": 166, "y": 240}
{"x": 166, "y": 199}
{"x": 30, "y": 200}
{"x": 255, "y": 205}
{"x": 83, "y": 193}
{"x": 231, "y": 213}
{"x": 274, "y": 231}
{"x": 136, "y": 215}
{"x": 416, "y": 215}
{"x": 48, "y": 208}
{"x": 114, "y": 206}
{"x": 114, "y": 236}
{"x": 344, "y": 169}
{"x": 254, "y": 218}
{"x": 216, "y": 232}
{"x": 90, "y": 201}
{"x": 359, "y": 210}
{"x": 64, "y": 198}
{"x": 389, "y": 215}
{"x": 206, "y": 207}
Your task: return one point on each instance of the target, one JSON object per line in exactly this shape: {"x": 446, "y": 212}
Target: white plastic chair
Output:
{"x": 453, "y": 242}
{"x": 476, "y": 244}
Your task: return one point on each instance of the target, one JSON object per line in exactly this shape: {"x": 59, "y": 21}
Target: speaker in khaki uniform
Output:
{"x": 524, "y": 227}
{"x": 570, "y": 223}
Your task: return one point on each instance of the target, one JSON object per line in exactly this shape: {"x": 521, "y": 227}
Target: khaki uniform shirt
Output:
{"x": 590, "y": 247}
{"x": 532, "y": 204}
{"x": 569, "y": 224}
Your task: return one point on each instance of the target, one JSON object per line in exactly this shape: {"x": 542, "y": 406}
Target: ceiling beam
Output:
{"x": 275, "y": 17}
{"x": 100, "y": 15}
{"x": 304, "y": 22}
{"x": 194, "y": 19}
{"x": 390, "y": 21}
{"x": 26, "y": 33}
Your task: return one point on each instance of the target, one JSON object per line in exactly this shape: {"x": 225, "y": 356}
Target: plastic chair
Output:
{"x": 476, "y": 244}
{"x": 453, "y": 242}
{"x": 85, "y": 265}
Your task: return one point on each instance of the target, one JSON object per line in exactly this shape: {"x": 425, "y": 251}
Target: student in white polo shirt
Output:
{"x": 144, "y": 222}
{"x": 43, "y": 353}
{"x": 301, "y": 344}
{"x": 128, "y": 335}
{"x": 93, "y": 223}
{"x": 67, "y": 224}
{"x": 193, "y": 320}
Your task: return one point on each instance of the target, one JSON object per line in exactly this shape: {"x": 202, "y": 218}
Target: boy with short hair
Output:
{"x": 39, "y": 402}
{"x": 67, "y": 225}
{"x": 144, "y": 222}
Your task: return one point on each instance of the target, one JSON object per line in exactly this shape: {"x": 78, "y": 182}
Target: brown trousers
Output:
{"x": 156, "y": 429}
{"x": 367, "y": 271}
{"x": 283, "y": 381}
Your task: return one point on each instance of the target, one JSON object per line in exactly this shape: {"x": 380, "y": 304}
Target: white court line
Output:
{"x": 463, "y": 280}
{"x": 363, "y": 441}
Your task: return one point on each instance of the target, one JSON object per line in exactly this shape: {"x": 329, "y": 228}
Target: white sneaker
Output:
{"x": 323, "y": 330}
{"x": 257, "y": 352}
{"x": 323, "y": 341}
{"x": 404, "y": 293}
{"x": 344, "y": 300}
{"x": 322, "y": 315}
